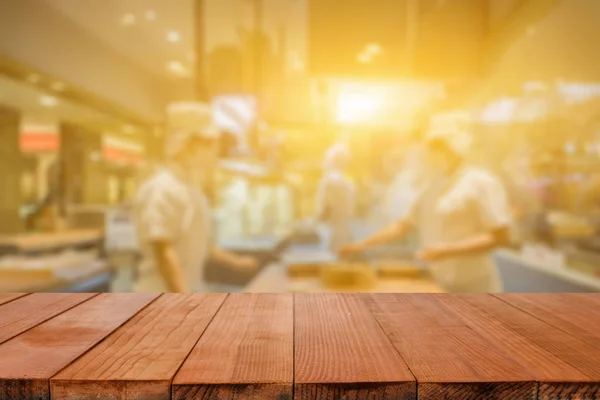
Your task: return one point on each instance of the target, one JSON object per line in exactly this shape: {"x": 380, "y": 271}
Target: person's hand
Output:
{"x": 434, "y": 253}
{"x": 349, "y": 250}
{"x": 246, "y": 263}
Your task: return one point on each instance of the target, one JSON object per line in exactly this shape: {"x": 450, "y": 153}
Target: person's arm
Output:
{"x": 169, "y": 266}
{"x": 322, "y": 200}
{"x": 394, "y": 231}
{"x": 481, "y": 243}
{"x": 159, "y": 223}
{"x": 493, "y": 211}
{"x": 233, "y": 260}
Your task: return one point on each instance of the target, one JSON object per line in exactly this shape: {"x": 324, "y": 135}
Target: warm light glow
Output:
{"x": 173, "y": 36}
{"x": 177, "y": 68}
{"x": 374, "y": 49}
{"x": 150, "y": 15}
{"x": 48, "y": 101}
{"x": 358, "y": 105}
{"x": 364, "y": 58}
{"x": 128, "y": 19}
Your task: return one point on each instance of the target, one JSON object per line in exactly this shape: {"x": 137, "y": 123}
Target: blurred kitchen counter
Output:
{"x": 522, "y": 274}
{"x": 94, "y": 277}
{"x": 274, "y": 279}
{"x": 40, "y": 242}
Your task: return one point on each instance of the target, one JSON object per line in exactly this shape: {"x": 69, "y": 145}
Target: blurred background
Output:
{"x": 84, "y": 86}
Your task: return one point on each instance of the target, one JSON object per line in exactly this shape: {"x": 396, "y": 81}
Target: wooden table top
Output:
{"x": 300, "y": 346}
{"x": 274, "y": 279}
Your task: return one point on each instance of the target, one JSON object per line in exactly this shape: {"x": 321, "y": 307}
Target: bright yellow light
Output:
{"x": 358, "y": 105}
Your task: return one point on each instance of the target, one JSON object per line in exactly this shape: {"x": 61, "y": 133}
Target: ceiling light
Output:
{"x": 364, "y": 58}
{"x": 34, "y": 78}
{"x": 128, "y": 19}
{"x": 48, "y": 101}
{"x": 58, "y": 86}
{"x": 177, "y": 68}
{"x": 173, "y": 36}
{"x": 129, "y": 129}
{"x": 150, "y": 15}
{"x": 374, "y": 48}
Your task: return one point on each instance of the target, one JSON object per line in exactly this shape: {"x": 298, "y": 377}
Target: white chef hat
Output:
{"x": 454, "y": 129}
{"x": 186, "y": 120}
{"x": 336, "y": 155}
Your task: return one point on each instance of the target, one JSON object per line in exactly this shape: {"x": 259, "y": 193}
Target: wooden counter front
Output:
{"x": 300, "y": 346}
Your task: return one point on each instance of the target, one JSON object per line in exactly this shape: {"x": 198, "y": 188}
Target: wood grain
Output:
{"x": 449, "y": 359}
{"x": 342, "y": 353}
{"x": 246, "y": 352}
{"x": 8, "y": 297}
{"x": 574, "y": 317}
{"x": 140, "y": 359}
{"x": 570, "y": 349}
{"x": 29, "y": 360}
{"x": 26, "y": 312}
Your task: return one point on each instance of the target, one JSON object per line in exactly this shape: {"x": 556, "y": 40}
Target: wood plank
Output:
{"x": 448, "y": 358}
{"x": 247, "y": 352}
{"x": 573, "y": 317}
{"x": 570, "y": 349}
{"x": 342, "y": 353}
{"x": 28, "y": 361}
{"x": 140, "y": 359}
{"x": 26, "y": 312}
{"x": 545, "y": 366}
{"x": 8, "y": 297}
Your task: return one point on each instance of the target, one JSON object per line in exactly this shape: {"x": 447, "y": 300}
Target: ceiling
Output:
{"x": 560, "y": 47}
{"x": 40, "y": 105}
{"x": 140, "y": 29}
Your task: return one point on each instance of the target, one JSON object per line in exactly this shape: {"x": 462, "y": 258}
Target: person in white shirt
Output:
{"x": 335, "y": 198}
{"x": 172, "y": 213}
{"x": 461, "y": 216}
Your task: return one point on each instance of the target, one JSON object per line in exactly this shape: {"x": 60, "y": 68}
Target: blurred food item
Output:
{"x": 396, "y": 270}
{"x": 303, "y": 270}
{"x": 349, "y": 276}
{"x": 565, "y": 225}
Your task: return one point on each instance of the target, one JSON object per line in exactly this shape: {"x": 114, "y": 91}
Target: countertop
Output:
{"x": 274, "y": 279}
{"x": 300, "y": 346}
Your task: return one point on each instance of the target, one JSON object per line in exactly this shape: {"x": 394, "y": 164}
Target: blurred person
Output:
{"x": 336, "y": 198}
{"x": 48, "y": 215}
{"x": 172, "y": 211}
{"x": 461, "y": 216}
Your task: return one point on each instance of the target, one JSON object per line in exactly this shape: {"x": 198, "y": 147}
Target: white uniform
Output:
{"x": 336, "y": 204}
{"x": 471, "y": 202}
{"x": 167, "y": 207}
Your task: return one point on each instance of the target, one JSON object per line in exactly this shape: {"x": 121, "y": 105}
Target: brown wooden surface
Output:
{"x": 303, "y": 346}
{"x": 8, "y": 297}
{"x": 26, "y": 312}
{"x": 341, "y": 352}
{"x": 448, "y": 358}
{"x": 571, "y": 349}
{"x": 140, "y": 359}
{"x": 577, "y": 316}
{"x": 247, "y": 352}
{"x": 28, "y": 361}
